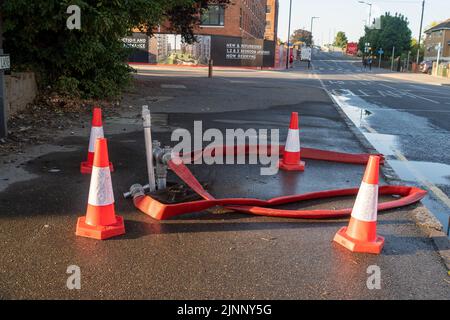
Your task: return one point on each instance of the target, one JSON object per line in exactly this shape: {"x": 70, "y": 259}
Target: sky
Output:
{"x": 350, "y": 16}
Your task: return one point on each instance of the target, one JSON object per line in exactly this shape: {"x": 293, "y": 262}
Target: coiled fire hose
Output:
{"x": 160, "y": 211}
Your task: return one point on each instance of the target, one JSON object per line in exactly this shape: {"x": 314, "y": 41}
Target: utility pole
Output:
{"x": 380, "y": 52}
{"x": 392, "y": 63}
{"x": 407, "y": 61}
{"x": 420, "y": 33}
{"x": 289, "y": 35}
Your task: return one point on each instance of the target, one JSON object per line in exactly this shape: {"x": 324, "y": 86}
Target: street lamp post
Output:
{"x": 370, "y": 10}
{"x": 312, "y": 20}
{"x": 289, "y": 35}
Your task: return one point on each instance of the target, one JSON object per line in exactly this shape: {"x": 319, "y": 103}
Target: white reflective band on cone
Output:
{"x": 293, "y": 141}
{"x": 365, "y": 208}
{"x": 100, "y": 191}
{"x": 96, "y": 132}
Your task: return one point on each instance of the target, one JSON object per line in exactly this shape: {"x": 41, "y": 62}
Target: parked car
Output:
{"x": 426, "y": 67}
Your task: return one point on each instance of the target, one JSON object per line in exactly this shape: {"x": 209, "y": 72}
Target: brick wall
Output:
{"x": 21, "y": 89}
{"x": 271, "y": 20}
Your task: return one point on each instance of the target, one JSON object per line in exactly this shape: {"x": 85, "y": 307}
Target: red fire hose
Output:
{"x": 161, "y": 211}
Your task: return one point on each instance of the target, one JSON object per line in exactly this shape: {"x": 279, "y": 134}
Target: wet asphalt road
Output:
{"x": 206, "y": 255}
{"x": 407, "y": 121}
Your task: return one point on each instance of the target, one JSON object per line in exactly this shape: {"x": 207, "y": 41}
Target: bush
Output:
{"x": 90, "y": 62}
{"x": 67, "y": 86}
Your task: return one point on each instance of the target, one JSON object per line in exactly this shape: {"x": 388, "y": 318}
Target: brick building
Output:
{"x": 438, "y": 35}
{"x": 241, "y": 18}
{"x": 271, "y": 20}
{"x": 242, "y": 33}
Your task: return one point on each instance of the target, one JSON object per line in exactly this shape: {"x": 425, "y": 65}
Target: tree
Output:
{"x": 340, "y": 40}
{"x": 414, "y": 48}
{"x": 394, "y": 31}
{"x": 90, "y": 61}
{"x": 302, "y": 35}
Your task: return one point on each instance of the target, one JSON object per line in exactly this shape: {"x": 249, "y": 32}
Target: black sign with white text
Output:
{"x": 235, "y": 52}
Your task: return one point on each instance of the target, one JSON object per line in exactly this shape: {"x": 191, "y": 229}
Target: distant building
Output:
{"x": 241, "y": 18}
{"x": 439, "y": 34}
{"x": 242, "y": 33}
{"x": 271, "y": 20}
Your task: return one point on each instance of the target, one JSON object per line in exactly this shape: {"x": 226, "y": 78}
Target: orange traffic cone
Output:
{"x": 96, "y": 132}
{"x": 361, "y": 233}
{"x": 291, "y": 157}
{"x": 100, "y": 221}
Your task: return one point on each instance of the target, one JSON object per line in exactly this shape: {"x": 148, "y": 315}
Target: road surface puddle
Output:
{"x": 437, "y": 173}
{"x": 384, "y": 143}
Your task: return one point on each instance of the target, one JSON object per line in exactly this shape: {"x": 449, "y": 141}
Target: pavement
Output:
{"x": 414, "y": 77}
{"x": 213, "y": 254}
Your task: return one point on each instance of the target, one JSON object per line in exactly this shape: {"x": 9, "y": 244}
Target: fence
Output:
{"x": 443, "y": 70}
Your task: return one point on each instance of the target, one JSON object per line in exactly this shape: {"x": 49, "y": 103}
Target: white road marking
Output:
{"x": 363, "y": 93}
{"x": 426, "y": 99}
{"x": 413, "y": 95}
{"x": 393, "y": 94}
{"x": 335, "y": 82}
{"x": 422, "y": 88}
{"x": 344, "y": 92}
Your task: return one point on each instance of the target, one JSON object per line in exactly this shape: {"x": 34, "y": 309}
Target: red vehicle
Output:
{"x": 352, "y": 48}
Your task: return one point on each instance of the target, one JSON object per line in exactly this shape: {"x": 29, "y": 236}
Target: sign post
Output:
{"x": 438, "y": 56}
{"x": 4, "y": 65}
{"x": 392, "y": 62}
{"x": 306, "y": 54}
{"x": 380, "y": 53}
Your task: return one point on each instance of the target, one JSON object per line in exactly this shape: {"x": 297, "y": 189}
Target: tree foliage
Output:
{"x": 340, "y": 40}
{"x": 301, "y": 35}
{"x": 90, "y": 61}
{"x": 394, "y": 32}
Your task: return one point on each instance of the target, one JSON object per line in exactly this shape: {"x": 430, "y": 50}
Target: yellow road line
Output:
{"x": 421, "y": 178}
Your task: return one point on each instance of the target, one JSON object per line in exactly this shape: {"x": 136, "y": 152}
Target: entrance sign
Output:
{"x": 5, "y": 62}
{"x": 305, "y": 54}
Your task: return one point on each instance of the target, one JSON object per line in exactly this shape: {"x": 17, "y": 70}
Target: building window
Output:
{"x": 268, "y": 9}
{"x": 268, "y": 24}
{"x": 213, "y": 16}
